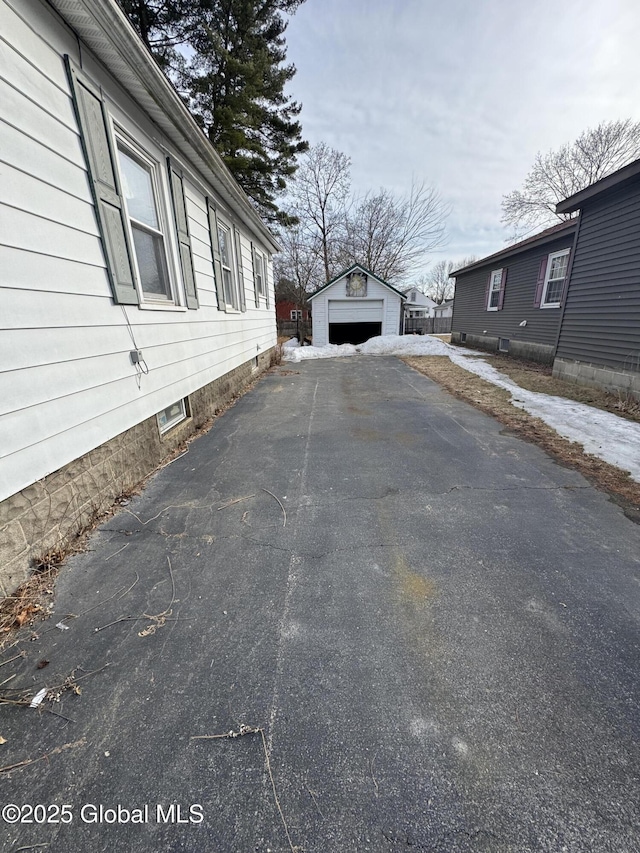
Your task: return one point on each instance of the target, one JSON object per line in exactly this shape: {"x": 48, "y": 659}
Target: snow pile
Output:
{"x": 330, "y": 351}
{"x": 607, "y": 436}
{"x": 405, "y": 345}
{"x": 603, "y": 434}
{"x": 292, "y": 343}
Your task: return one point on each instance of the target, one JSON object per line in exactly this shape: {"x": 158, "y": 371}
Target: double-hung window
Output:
{"x": 260, "y": 273}
{"x": 144, "y": 228}
{"x": 140, "y": 189}
{"x": 495, "y": 286}
{"x": 229, "y": 287}
{"x": 554, "y": 279}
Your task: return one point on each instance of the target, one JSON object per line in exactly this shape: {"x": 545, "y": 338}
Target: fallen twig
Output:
{"x": 21, "y": 655}
{"x": 236, "y": 501}
{"x": 251, "y": 730}
{"x": 164, "y": 509}
{"x": 313, "y": 797}
{"x": 159, "y": 619}
{"x": 284, "y": 512}
{"x": 130, "y": 588}
{"x": 47, "y": 755}
{"x": 371, "y": 763}
{"x": 30, "y": 847}
{"x": 106, "y": 559}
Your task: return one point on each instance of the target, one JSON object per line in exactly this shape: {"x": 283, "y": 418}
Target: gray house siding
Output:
{"x": 485, "y": 329}
{"x": 600, "y": 326}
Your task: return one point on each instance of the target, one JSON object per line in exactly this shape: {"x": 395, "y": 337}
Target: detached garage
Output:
{"x": 354, "y": 306}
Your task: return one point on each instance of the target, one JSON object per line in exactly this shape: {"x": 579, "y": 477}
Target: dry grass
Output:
{"x": 496, "y": 402}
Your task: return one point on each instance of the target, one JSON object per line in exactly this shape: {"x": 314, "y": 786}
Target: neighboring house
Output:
{"x": 444, "y": 310}
{"x": 289, "y": 311}
{"x": 418, "y": 305}
{"x": 599, "y": 336}
{"x": 354, "y": 306}
{"x": 511, "y": 301}
{"x": 136, "y": 277}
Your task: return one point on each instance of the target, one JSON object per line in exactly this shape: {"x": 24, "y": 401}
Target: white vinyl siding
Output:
{"x": 67, "y": 384}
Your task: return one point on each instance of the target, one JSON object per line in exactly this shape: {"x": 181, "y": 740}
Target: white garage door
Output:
{"x": 348, "y": 311}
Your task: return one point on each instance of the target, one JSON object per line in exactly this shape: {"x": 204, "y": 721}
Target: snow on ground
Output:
{"x": 605, "y": 435}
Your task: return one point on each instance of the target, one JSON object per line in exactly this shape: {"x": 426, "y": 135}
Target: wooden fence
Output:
{"x": 427, "y": 325}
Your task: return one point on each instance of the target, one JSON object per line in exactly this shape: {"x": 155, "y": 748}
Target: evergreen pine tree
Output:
{"x": 227, "y": 58}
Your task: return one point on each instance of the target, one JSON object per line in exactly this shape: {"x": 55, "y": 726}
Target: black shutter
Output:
{"x": 215, "y": 249}
{"x": 565, "y": 283}
{"x": 182, "y": 228}
{"x": 254, "y": 261}
{"x": 265, "y": 277}
{"x": 503, "y": 284}
{"x": 103, "y": 177}
{"x": 542, "y": 272}
{"x": 236, "y": 237}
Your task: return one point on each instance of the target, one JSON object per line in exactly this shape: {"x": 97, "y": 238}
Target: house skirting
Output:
{"x": 529, "y": 350}
{"x": 597, "y": 376}
{"x": 49, "y": 515}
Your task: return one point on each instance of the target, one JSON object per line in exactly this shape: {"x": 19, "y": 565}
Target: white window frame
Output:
{"x": 175, "y": 420}
{"x": 160, "y": 194}
{"x": 548, "y": 280}
{"x": 295, "y": 314}
{"x": 234, "y": 305}
{"x": 262, "y": 262}
{"x": 496, "y": 278}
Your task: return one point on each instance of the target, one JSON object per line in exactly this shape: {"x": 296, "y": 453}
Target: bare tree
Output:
{"x": 390, "y": 236}
{"x": 319, "y": 192}
{"x": 558, "y": 174}
{"x": 298, "y": 268}
{"x": 438, "y": 283}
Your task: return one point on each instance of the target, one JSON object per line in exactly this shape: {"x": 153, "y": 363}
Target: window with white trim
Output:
{"x": 493, "y": 302}
{"x": 260, "y": 272}
{"x": 140, "y": 179}
{"x": 296, "y": 314}
{"x": 229, "y": 284}
{"x": 554, "y": 278}
{"x": 172, "y": 416}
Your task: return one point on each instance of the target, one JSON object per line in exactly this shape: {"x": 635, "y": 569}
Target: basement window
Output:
{"x": 463, "y": 337}
{"x": 503, "y": 344}
{"x": 172, "y": 416}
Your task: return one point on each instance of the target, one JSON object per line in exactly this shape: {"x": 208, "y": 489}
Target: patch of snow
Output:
{"x": 605, "y": 435}
{"x": 329, "y": 351}
{"x": 292, "y": 343}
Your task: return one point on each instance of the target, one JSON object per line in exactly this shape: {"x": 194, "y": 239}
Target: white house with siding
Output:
{"x": 418, "y": 304}
{"x": 136, "y": 286}
{"x": 354, "y": 306}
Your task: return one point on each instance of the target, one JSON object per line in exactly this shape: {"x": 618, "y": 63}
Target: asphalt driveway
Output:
{"x": 436, "y": 627}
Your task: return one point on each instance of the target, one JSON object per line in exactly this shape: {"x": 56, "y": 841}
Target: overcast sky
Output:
{"x": 461, "y": 93}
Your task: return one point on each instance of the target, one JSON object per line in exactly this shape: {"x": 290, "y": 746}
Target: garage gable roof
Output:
{"x": 367, "y": 272}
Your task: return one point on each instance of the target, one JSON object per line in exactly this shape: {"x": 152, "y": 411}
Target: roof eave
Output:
{"x": 516, "y": 250}
{"x": 364, "y": 270}
{"x": 105, "y": 29}
{"x": 575, "y": 202}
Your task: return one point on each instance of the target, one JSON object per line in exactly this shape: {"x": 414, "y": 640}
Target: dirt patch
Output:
{"x": 495, "y": 401}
